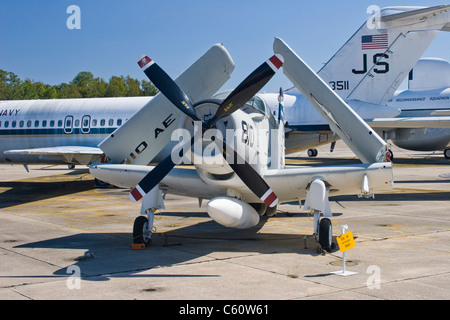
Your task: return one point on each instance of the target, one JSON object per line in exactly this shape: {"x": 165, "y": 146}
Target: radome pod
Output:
{"x": 232, "y": 213}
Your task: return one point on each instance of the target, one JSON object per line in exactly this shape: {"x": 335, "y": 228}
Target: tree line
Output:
{"x": 84, "y": 85}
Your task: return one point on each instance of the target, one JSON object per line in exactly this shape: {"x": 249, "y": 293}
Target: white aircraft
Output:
{"x": 428, "y": 98}
{"x": 69, "y": 131}
{"x": 367, "y": 71}
{"x": 65, "y": 131}
{"x": 253, "y": 179}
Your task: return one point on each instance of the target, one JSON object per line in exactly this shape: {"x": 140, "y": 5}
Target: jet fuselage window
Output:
{"x": 21, "y": 123}
{"x": 6, "y": 124}
{"x": 77, "y": 123}
{"x": 44, "y": 123}
{"x": 29, "y": 123}
{"x": 13, "y": 124}
{"x": 102, "y": 122}
{"x": 111, "y": 122}
{"x": 60, "y": 123}
{"x": 52, "y": 123}
{"x": 36, "y": 123}
{"x": 119, "y": 122}
{"x": 94, "y": 122}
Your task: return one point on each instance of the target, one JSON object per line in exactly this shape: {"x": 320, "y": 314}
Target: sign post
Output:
{"x": 345, "y": 242}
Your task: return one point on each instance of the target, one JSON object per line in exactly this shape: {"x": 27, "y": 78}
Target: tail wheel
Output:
{"x": 326, "y": 234}
{"x": 141, "y": 233}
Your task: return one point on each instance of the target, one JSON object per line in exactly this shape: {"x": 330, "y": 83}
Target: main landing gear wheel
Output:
{"x": 447, "y": 154}
{"x": 312, "y": 153}
{"x": 141, "y": 232}
{"x": 326, "y": 235}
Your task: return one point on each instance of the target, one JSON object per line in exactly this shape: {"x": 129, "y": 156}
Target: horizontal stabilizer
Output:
{"x": 71, "y": 154}
{"x": 363, "y": 141}
{"x": 56, "y": 151}
{"x": 411, "y": 123}
{"x": 390, "y": 18}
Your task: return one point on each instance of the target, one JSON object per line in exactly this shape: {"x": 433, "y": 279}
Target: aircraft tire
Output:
{"x": 447, "y": 154}
{"x": 139, "y": 227}
{"x": 312, "y": 153}
{"x": 326, "y": 234}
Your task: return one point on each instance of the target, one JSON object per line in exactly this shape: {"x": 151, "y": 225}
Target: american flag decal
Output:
{"x": 379, "y": 41}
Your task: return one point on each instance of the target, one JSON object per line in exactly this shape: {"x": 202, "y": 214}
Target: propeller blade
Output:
{"x": 248, "y": 175}
{"x": 167, "y": 86}
{"x": 152, "y": 179}
{"x": 155, "y": 176}
{"x": 249, "y": 87}
{"x": 244, "y": 92}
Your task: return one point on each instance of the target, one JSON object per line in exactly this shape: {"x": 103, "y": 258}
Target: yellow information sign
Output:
{"x": 346, "y": 241}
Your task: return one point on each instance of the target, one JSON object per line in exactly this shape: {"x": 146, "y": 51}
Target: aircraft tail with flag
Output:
{"x": 373, "y": 63}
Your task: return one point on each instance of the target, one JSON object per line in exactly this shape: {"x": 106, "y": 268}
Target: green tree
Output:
{"x": 100, "y": 86}
{"x": 133, "y": 87}
{"x": 84, "y": 85}
{"x": 29, "y": 90}
{"x": 148, "y": 89}
{"x": 116, "y": 87}
{"x": 10, "y": 86}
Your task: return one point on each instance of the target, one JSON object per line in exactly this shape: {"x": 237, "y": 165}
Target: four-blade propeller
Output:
{"x": 243, "y": 93}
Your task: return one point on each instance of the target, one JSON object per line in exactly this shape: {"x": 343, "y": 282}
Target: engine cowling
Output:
{"x": 232, "y": 213}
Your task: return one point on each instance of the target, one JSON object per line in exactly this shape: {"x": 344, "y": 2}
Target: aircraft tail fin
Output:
{"x": 363, "y": 141}
{"x": 373, "y": 63}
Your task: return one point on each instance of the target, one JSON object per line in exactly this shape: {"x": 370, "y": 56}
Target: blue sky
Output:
{"x": 36, "y": 44}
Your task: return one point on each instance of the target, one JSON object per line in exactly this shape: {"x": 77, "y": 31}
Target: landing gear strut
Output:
{"x": 143, "y": 224}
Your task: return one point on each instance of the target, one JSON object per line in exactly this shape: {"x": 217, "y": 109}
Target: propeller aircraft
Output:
{"x": 243, "y": 173}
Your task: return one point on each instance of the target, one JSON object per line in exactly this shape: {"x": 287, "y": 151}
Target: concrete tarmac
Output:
{"x": 62, "y": 238}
